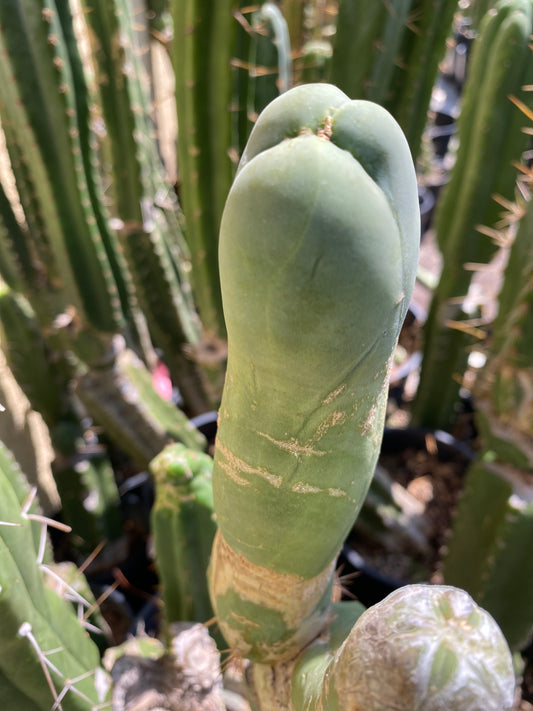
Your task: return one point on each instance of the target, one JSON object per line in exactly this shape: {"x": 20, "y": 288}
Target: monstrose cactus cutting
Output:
{"x": 318, "y": 253}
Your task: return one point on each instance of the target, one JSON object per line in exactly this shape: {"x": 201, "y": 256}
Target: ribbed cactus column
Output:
{"x": 489, "y": 552}
{"x": 388, "y": 51}
{"x": 183, "y": 525}
{"x": 46, "y": 658}
{"x": 318, "y": 252}
{"x": 491, "y": 141}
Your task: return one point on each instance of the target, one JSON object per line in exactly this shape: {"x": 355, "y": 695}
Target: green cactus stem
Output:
{"x": 389, "y": 52}
{"x": 46, "y": 656}
{"x": 422, "y": 48}
{"x": 202, "y": 49}
{"x": 325, "y": 189}
{"x": 491, "y": 142}
{"x": 145, "y": 210}
{"x": 184, "y": 527}
{"x": 86, "y": 483}
{"x": 38, "y": 108}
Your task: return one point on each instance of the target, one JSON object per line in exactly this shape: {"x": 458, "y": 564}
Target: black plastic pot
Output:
{"x": 361, "y": 580}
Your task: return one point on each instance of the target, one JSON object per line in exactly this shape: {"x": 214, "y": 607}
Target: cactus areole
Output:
{"x": 318, "y": 254}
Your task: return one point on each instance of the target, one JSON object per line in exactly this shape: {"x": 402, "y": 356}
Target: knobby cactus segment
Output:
{"x": 318, "y": 253}
{"x": 424, "y": 647}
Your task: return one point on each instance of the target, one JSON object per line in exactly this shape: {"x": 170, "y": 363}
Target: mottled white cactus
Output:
{"x": 423, "y": 648}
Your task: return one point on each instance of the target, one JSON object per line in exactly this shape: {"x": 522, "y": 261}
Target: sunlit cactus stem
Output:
{"x": 325, "y": 187}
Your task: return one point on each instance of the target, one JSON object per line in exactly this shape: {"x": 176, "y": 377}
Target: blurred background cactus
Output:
{"x": 489, "y": 547}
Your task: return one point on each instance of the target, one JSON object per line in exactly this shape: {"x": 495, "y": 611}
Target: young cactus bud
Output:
{"x": 318, "y": 252}
{"x": 184, "y": 526}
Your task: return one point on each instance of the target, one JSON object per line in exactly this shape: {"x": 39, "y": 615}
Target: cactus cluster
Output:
{"x": 491, "y": 142}
{"x": 488, "y": 550}
{"x": 319, "y": 240}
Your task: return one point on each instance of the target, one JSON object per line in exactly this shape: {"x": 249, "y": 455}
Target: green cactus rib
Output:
{"x": 433, "y": 645}
{"x": 325, "y": 188}
{"x": 90, "y": 152}
{"x": 184, "y": 527}
{"x": 491, "y": 140}
{"x": 151, "y": 233}
{"x": 389, "y": 52}
{"x": 422, "y": 48}
{"x": 26, "y": 352}
{"x": 202, "y": 50}
{"x": 389, "y": 45}
{"x": 43, "y": 647}
{"x": 44, "y": 378}
{"x": 35, "y": 52}
{"x": 511, "y": 338}
{"x": 488, "y": 553}
{"x": 34, "y": 189}
{"x": 14, "y": 252}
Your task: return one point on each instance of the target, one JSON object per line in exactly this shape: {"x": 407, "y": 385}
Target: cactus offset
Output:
{"x": 423, "y": 647}
{"x": 184, "y": 526}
